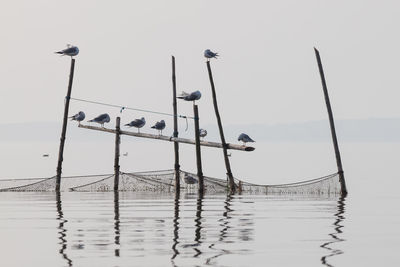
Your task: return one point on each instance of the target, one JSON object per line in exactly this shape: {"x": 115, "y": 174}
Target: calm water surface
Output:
{"x": 126, "y": 229}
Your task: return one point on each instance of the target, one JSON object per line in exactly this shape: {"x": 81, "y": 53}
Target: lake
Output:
{"x": 131, "y": 229}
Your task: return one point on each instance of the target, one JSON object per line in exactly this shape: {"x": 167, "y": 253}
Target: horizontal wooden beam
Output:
{"x": 168, "y": 138}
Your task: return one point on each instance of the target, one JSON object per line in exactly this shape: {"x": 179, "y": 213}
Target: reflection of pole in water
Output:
{"x": 198, "y": 225}
{"x": 176, "y": 229}
{"x": 225, "y": 221}
{"x": 62, "y": 231}
{"x": 339, "y": 218}
{"x": 116, "y": 224}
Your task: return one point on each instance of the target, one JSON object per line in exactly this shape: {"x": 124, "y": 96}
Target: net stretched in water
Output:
{"x": 164, "y": 182}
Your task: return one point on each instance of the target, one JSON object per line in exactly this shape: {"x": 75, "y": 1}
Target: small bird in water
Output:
{"x": 101, "y": 119}
{"x": 209, "y": 54}
{"x": 138, "y": 123}
{"x": 80, "y": 116}
{"x": 202, "y": 133}
{"x": 160, "y": 125}
{"x": 69, "y": 51}
{"x": 189, "y": 179}
{"x": 245, "y": 138}
{"x": 196, "y": 95}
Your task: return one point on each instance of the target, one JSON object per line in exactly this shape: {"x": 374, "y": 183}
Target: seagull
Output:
{"x": 103, "y": 118}
{"x": 160, "y": 125}
{"x": 202, "y": 133}
{"x": 189, "y": 179}
{"x": 138, "y": 123}
{"x": 80, "y": 116}
{"x": 196, "y": 95}
{"x": 209, "y": 54}
{"x": 69, "y": 51}
{"x": 245, "y": 138}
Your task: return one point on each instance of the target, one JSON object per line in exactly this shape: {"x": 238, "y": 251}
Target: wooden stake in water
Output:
{"x": 221, "y": 132}
{"x": 332, "y": 125}
{"x": 117, "y": 152}
{"x": 175, "y": 134}
{"x": 198, "y": 151}
{"x": 64, "y": 127}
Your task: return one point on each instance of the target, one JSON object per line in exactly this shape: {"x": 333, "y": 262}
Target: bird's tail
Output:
{"x": 153, "y": 127}
{"x": 91, "y": 121}
{"x": 59, "y": 52}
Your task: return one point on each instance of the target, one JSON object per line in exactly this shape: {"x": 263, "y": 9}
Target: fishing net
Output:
{"x": 164, "y": 182}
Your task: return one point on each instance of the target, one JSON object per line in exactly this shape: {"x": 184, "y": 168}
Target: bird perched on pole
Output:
{"x": 160, "y": 125}
{"x": 101, "y": 119}
{"x": 69, "y": 51}
{"x": 138, "y": 123}
{"x": 245, "y": 138}
{"x": 209, "y": 54}
{"x": 202, "y": 133}
{"x": 196, "y": 95}
{"x": 80, "y": 116}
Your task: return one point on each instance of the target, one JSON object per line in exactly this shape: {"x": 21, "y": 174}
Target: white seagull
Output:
{"x": 196, "y": 95}
{"x": 209, "y": 54}
{"x": 245, "y": 138}
{"x": 69, "y": 51}
{"x": 80, "y": 116}
{"x": 160, "y": 125}
{"x": 138, "y": 123}
{"x": 101, "y": 119}
{"x": 202, "y": 133}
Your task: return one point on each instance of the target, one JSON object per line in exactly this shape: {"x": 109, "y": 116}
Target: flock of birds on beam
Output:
{"x": 139, "y": 123}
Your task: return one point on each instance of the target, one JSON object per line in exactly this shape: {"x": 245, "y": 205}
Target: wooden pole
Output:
{"x": 117, "y": 153}
{"x": 175, "y": 134}
{"x": 198, "y": 151}
{"x": 332, "y": 125}
{"x": 169, "y": 138}
{"x": 221, "y": 132}
{"x": 64, "y": 127}
{"x": 117, "y": 238}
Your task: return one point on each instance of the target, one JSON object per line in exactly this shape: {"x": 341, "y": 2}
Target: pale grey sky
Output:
{"x": 267, "y": 71}
{"x": 266, "y": 74}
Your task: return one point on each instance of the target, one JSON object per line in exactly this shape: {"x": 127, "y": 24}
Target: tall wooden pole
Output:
{"x": 175, "y": 134}
{"x": 198, "y": 151}
{"x": 332, "y": 125}
{"x": 64, "y": 127}
{"x": 117, "y": 153}
{"x": 221, "y": 133}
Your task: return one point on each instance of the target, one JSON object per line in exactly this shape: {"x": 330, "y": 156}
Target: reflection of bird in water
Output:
{"x": 80, "y": 116}
{"x": 138, "y": 123}
{"x": 69, "y": 51}
{"x": 101, "y": 119}
{"x": 202, "y": 133}
{"x": 160, "y": 125}
{"x": 209, "y": 54}
{"x": 245, "y": 138}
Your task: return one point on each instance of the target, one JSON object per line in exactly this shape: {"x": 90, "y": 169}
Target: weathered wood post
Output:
{"x": 221, "y": 132}
{"x": 175, "y": 134}
{"x": 198, "y": 150}
{"x": 332, "y": 125}
{"x": 116, "y": 158}
{"x": 64, "y": 127}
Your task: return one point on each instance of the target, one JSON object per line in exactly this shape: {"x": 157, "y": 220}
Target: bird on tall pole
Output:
{"x": 71, "y": 51}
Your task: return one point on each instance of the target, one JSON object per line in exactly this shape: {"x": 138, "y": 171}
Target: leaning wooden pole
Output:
{"x": 175, "y": 134}
{"x": 117, "y": 153}
{"x": 64, "y": 127}
{"x": 221, "y": 132}
{"x": 332, "y": 124}
{"x": 198, "y": 150}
